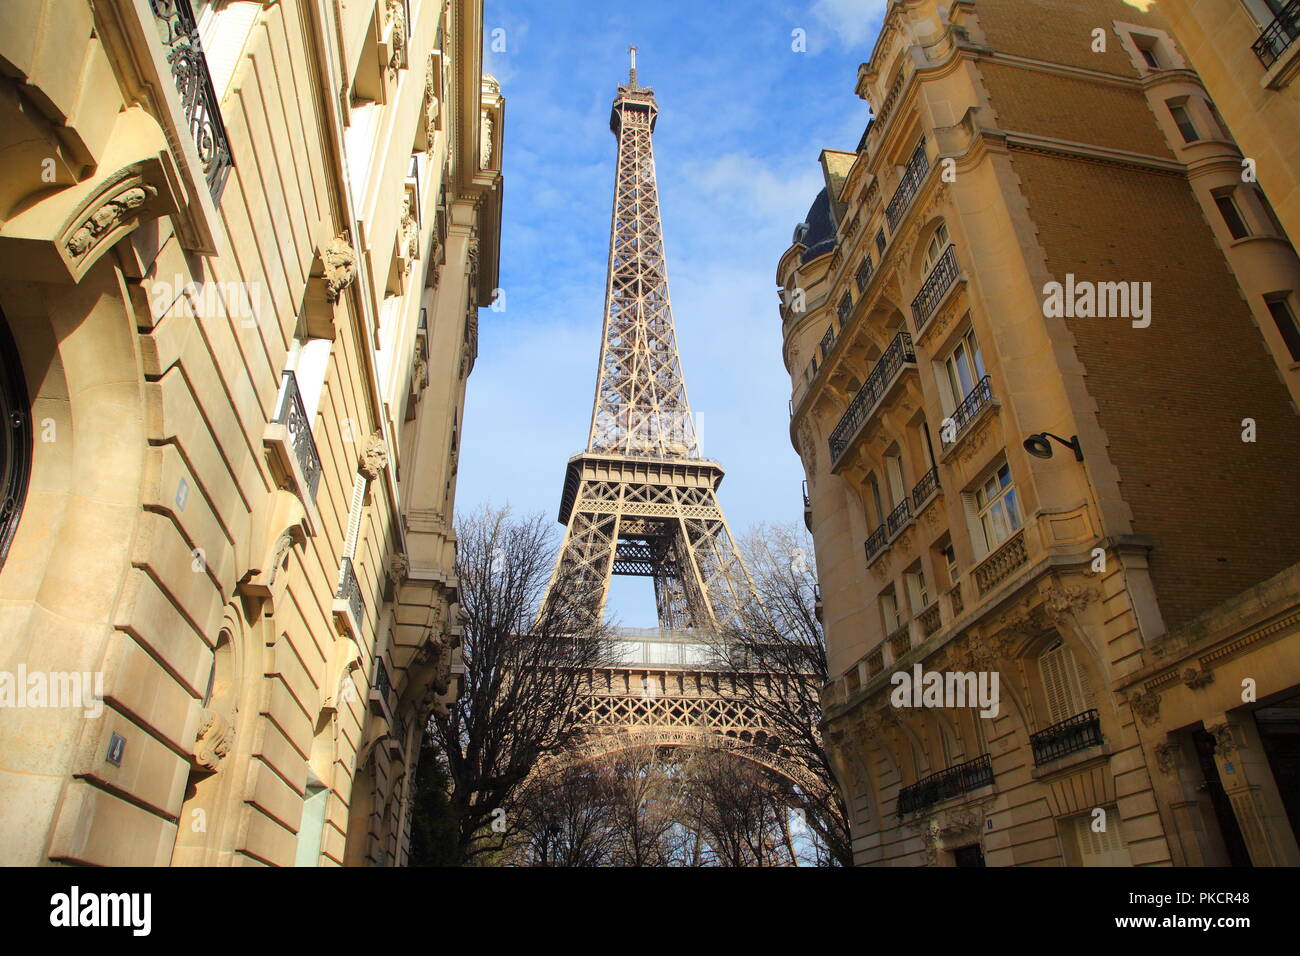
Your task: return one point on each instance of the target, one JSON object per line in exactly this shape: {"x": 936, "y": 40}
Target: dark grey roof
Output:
{"x": 817, "y": 231}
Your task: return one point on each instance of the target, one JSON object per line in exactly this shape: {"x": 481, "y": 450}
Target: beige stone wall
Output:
{"x": 171, "y": 539}
{"x": 1043, "y": 158}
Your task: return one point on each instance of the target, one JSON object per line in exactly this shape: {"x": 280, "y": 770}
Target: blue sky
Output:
{"x": 742, "y": 118}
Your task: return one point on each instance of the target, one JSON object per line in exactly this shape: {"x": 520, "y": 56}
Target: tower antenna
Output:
{"x": 631, "y": 74}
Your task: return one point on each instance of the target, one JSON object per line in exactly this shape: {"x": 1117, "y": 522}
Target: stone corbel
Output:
{"x": 213, "y": 742}
{"x": 374, "y": 457}
{"x": 273, "y": 539}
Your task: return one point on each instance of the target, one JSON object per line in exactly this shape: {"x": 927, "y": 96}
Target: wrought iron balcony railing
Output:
{"x": 863, "y": 275}
{"x": 827, "y": 342}
{"x": 1069, "y": 736}
{"x": 958, "y": 779}
{"x": 937, "y": 283}
{"x": 1278, "y": 36}
{"x": 872, "y": 391}
{"x": 383, "y": 687}
{"x": 293, "y": 416}
{"x": 349, "y": 590}
{"x": 875, "y": 543}
{"x": 844, "y": 308}
{"x": 979, "y": 398}
{"x": 899, "y": 517}
{"x": 179, "y": 32}
{"x": 908, "y": 186}
{"x": 925, "y": 488}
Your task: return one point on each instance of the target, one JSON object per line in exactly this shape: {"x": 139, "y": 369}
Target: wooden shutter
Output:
{"x": 1100, "y": 849}
{"x": 1065, "y": 683}
{"x": 355, "y": 510}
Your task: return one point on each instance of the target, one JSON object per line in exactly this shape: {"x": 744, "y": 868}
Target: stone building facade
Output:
{"x": 1037, "y": 234}
{"x": 243, "y": 245}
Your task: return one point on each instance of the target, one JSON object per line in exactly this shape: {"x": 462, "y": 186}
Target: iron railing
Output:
{"x": 1073, "y": 734}
{"x": 863, "y": 275}
{"x": 350, "y": 590}
{"x": 1278, "y": 35}
{"x": 937, "y": 283}
{"x": 827, "y": 342}
{"x": 979, "y": 398}
{"x": 925, "y": 488}
{"x": 908, "y": 186}
{"x": 961, "y": 778}
{"x": 875, "y": 542}
{"x": 179, "y": 32}
{"x": 293, "y": 416}
{"x": 872, "y": 391}
{"x": 899, "y": 517}
{"x": 382, "y": 685}
{"x": 844, "y": 308}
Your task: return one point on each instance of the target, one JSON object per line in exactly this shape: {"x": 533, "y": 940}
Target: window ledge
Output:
{"x": 1072, "y": 763}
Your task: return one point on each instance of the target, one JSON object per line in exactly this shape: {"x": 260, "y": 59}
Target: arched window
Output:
{"x": 16, "y": 441}
{"x": 1065, "y": 683}
{"x": 934, "y": 248}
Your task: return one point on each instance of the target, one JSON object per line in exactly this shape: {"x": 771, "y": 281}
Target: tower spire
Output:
{"x": 640, "y": 499}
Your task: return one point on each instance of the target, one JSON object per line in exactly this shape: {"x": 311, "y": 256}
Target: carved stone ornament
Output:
{"x": 1225, "y": 745}
{"x": 485, "y": 157}
{"x": 107, "y": 217}
{"x": 374, "y": 457}
{"x": 410, "y": 236}
{"x": 340, "y": 262}
{"x": 1062, "y": 601}
{"x": 1146, "y": 706}
{"x": 1197, "y": 679}
{"x": 1166, "y": 757}
{"x": 214, "y": 740}
{"x": 397, "y": 19}
{"x": 398, "y": 567}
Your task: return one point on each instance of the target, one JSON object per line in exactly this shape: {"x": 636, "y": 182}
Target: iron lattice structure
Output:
{"x": 640, "y": 499}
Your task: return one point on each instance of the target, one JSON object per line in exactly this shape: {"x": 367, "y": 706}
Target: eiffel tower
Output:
{"x": 641, "y": 500}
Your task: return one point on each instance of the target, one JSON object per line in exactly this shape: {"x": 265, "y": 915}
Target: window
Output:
{"x": 1263, "y": 12}
{"x": 1231, "y": 216}
{"x": 894, "y": 476}
{"x": 1147, "y": 48}
{"x": 846, "y": 304}
{"x": 863, "y": 274}
{"x": 889, "y": 611}
{"x": 1285, "y": 318}
{"x": 880, "y": 242}
{"x": 962, "y": 369}
{"x": 1065, "y": 684}
{"x": 950, "y": 563}
{"x": 997, "y": 508}
{"x": 1086, "y": 845}
{"x": 917, "y": 591}
{"x": 1183, "y": 120}
{"x": 938, "y": 243}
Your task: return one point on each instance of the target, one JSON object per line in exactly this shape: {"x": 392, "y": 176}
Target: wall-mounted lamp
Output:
{"x": 1040, "y": 447}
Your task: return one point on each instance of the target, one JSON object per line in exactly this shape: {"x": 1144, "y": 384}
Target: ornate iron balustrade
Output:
{"x": 937, "y": 283}
{"x": 1278, "y": 35}
{"x": 872, "y": 391}
{"x": 844, "y": 308}
{"x": 863, "y": 275}
{"x": 350, "y": 590}
{"x": 179, "y": 32}
{"x": 925, "y": 488}
{"x": 875, "y": 543}
{"x": 908, "y": 186}
{"x": 1010, "y": 555}
{"x": 929, "y": 619}
{"x": 958, "y": 779}
{"x": 827, "y": 342}
{"x": 399, "y": 731}
{"x": 293, "y": 416}
{"x": 899, "y": 517}
{"x": 1069, "y": 736}
{"x": 382, "y": 684}
{"x": 980, "y": 396}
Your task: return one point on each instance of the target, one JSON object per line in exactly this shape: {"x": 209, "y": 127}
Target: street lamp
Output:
{"x": 1038, "y": 445}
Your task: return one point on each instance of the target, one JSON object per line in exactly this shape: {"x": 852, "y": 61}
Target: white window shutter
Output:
{"x": 354, "y": 515}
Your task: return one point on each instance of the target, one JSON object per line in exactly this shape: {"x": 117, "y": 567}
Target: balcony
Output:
{"x": 970, "y": 409}
{"x": 899, "y": 518}
{"x": 397, "y": 739}
{"x": 1278, "y": 36}
{"x": 863, "y": 275}
{"x": 958, "y": 779}
{"x": 179, "y": 33}
{"x": 289, "y": 438}
{"x": 890, "y": 366}
{"x": 900, "y": 642}
{"x": 929, "y": 620}
{"x": 349, "y": 606}
{"x": 936, "y": 286}
{"x": 1010, "y": 555}
{"x": 925, "y": 489}
{"x": 827, "y": 342}
{"x": 875, "y": 543}
{"x": 844, "y": 308}
{"x": 1069, "y": 736}
{"x": 381, "y": 690}
{"x": 908, "y": 186}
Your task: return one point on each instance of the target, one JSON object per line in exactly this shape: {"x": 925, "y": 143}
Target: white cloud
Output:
{"x": 854, "y": 22}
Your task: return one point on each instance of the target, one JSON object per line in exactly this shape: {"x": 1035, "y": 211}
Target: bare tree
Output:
{"x": 525, "y": 652}
{"x": 564, "y": 819}
{"x": 777, "y": 654}
{"x": 738, "y": 810}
